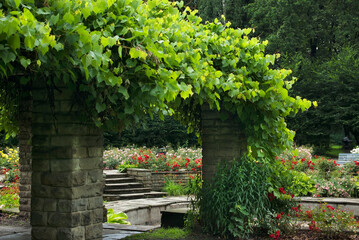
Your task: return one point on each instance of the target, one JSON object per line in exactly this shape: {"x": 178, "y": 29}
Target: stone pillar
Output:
{"x": 25, "y": 147}
{"x": 67, "y": 180}
{"x": 221, "y": 140}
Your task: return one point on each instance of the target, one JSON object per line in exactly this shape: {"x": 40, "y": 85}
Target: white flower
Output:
{"x": 355, "y": 150}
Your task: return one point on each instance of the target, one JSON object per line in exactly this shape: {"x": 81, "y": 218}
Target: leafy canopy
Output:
{"x": 128, "y": 58}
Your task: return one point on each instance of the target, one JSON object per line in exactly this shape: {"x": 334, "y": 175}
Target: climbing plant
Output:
{"x": 128, "y": 58}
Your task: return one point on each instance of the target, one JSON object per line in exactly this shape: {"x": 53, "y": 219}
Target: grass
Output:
{"x": 162, "y": 233}
{"x": 334, "y": 151}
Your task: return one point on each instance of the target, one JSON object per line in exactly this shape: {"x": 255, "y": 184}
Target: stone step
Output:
{"x": 127, "y": 190}
{"x": 119, "y": 180}
{"x": 123, "y": 185}
{"x": 114, "y": 197}
{"x": 116, "y": 175}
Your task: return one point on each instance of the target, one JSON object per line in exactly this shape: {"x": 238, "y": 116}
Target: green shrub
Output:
{"x": 124, "y": 167}
{"x": 326, "y": 166}
{"x": 240, "y": 196}
{"x": 173, "y": 189}
{"x": 352, "y": 168}
{"x": 302, "y": 184}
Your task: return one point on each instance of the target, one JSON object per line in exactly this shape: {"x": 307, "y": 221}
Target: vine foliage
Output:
{"x": 129, "y": 58}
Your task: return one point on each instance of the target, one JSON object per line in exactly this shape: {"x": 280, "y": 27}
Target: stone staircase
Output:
{"x": 120, "y": 186}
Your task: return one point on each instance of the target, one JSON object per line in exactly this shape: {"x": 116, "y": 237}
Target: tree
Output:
{"x": 234, "y": 11}
{"x": 311, "y": 35}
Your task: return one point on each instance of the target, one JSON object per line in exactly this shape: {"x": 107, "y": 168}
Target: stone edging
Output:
{"x": 350, "y": 204}
{"x": 155, "y": 180}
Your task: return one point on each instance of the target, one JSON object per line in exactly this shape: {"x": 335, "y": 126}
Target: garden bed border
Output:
{"x": 350, "y": 204}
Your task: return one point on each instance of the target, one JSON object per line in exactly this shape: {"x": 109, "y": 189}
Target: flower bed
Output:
{"x": 321, "y": 177}
{"x": 152, "y": 166}
{"x": 9, "y": 169}
{"x": 166, "y": 159}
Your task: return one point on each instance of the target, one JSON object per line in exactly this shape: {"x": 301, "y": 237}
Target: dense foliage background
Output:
{"x": 153, "y": 133}
{"x": 319, "y": 41}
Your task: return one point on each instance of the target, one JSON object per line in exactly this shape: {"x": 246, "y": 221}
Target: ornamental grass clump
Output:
{"x": 243, "y": 196}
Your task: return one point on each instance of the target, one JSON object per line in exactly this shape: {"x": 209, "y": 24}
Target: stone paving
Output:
{"x": 110, "y": 231}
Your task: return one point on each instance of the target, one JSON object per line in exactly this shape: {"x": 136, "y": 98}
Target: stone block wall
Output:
{"x": 222, "y": 140}
{"x": 155, "y": 180}
{"x": 25, "y": 147}
{"x": 67, "y": 180}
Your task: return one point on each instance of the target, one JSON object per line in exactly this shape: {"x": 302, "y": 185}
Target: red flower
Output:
{"x": 270, "y": 196}
{"x": 330, "y": 207}
{"x": 282, "y": 190}
{"x": 279, "y": 216}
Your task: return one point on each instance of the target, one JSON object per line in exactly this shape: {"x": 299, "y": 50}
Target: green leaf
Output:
{"x": 14, "y": 42}
{"x": 129, "y": 109}
{"x": 218, "y": 74}
{"x": 8, "y": 57}
{"x": 86, "y": 12}
{"x": 25, "y": 62}
{"x": 104, "y": 41}
{"x": 30, "y": 42}
{"x": 119, "y": 51}
{"x": 137, "y": 53}
{"x": 123, "y": 91}
{"x": 100, "y": 107}
{"x": 69, "y": 18}
{"x": 17, "y": 3}
{"x": 54, "y": 19}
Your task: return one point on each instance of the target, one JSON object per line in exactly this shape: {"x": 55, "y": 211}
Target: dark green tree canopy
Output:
{"x": 128, "y": 58}
{"x": 312, "y": 37}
